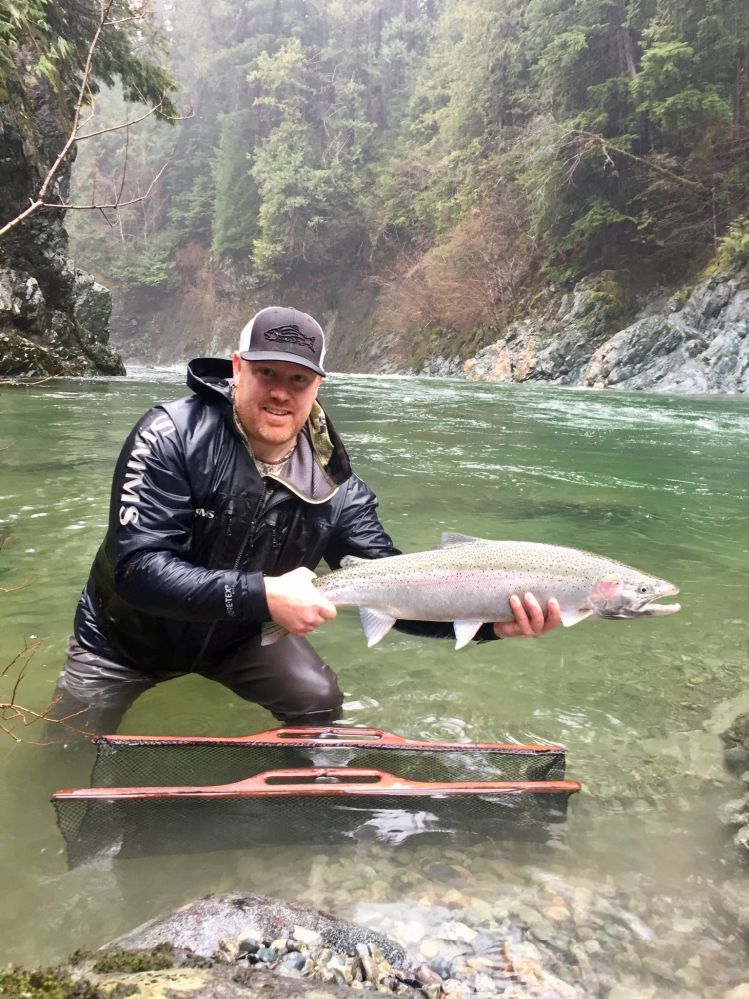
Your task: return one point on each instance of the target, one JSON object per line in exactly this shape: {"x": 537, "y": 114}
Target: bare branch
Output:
{"x": 124, "y": 167}
{"x": 17, "y": 383}
{"x": 38, "y": 202}
{"x": 81, "y": 122}
{"x": 125, "y": 124}
{"x": 84, "y": 90}
{"x": 25, "y": 653}
{"x": 13, "y": 714}
{"x": 113, "y": 204}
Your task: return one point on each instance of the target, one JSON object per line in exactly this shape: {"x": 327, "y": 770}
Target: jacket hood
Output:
{"x": 211, "y": 379}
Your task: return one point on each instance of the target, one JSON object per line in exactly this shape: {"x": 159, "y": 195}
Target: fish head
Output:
{"x": 631, "y": 594}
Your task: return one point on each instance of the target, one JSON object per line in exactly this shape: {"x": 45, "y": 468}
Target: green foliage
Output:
{"x": 59, "y": 35}
{"x": 294, "y": 195}
{"x": 598, "y": 216}
{"x": 334, "y": 134}
{"x": 237, "y": 202}
{"x": 733, "y": 248}
{"x": 122, "y": 961}
{"x": 666, "y": 93}
{"x": 20, "y": 20}
{"x": 146, "y": 265}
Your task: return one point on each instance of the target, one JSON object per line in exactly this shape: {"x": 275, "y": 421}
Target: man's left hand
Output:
{"x": 530, "y": 620}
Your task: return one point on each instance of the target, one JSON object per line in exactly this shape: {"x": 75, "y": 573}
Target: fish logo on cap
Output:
{"x": 291, "y": 334}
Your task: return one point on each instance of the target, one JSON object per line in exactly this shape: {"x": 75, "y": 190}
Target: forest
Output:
{"x": 460, "y": 155}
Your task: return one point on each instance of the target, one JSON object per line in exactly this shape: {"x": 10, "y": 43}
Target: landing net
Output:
{"x": 124, "y": 760}
{"x": 318, "y": 805}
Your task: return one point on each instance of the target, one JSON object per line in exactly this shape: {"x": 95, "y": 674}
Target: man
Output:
{"x": 223, "y": 504}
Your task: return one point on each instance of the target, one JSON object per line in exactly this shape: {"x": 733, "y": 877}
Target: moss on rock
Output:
{"x": 45, "y": 983}
{"x": 156, "y": 959}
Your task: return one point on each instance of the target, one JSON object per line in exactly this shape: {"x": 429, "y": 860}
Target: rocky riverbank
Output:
{"x": 735, "y": 816}
{"x": 692, "y": 340}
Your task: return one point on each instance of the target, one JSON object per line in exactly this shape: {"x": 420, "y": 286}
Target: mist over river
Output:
{"x": 655, "y": 481}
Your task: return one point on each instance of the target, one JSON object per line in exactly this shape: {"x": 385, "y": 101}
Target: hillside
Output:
{"x": 430, "y": 178}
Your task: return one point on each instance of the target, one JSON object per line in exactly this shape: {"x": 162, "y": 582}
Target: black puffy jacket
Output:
{"x": 178, "y": 582}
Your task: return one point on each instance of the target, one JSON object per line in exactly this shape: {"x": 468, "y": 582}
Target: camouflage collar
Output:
{"x": 318, "y": 432}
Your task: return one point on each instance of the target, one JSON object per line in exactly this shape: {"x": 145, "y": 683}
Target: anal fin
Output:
{"x": 464, "y": 632}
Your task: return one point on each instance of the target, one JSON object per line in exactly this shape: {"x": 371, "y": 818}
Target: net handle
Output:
{"x": 319, "y": 781}
{"x": 341, "y": 735}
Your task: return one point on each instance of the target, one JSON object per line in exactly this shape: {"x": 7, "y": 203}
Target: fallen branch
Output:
{"x": 13, "y": 714}
{"x": 609, "y": 148}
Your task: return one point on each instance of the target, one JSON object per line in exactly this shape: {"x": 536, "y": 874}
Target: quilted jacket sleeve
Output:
{"x": 152, "y": 514}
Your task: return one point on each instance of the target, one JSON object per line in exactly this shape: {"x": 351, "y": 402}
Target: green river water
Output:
{"x": 659, "y": 482}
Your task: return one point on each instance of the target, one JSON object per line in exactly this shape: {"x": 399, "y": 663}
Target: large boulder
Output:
{"x": 200, "y": 926}
{"x": 556, "y": 348}
{"x": 700, "y": 345}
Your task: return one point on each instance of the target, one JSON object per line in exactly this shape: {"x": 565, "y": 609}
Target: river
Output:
{"x": 655, "y": 481}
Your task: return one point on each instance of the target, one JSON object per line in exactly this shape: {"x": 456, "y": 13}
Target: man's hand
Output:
{"x": 530, "y": 621}
{"x": 295, "y": 604}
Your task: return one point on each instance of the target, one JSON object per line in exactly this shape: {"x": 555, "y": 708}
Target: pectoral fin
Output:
{"x": 375, "y": 624}
{"x": 572, "y": 616}
{"x": 464, "y": 632}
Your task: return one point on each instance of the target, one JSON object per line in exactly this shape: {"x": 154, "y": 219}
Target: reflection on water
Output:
{"x": 655, "y": 482}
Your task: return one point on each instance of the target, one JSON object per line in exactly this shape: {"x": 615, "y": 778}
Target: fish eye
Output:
{"x": 643, "y": 588}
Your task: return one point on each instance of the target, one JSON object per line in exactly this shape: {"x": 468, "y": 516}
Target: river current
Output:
{"x": 655, "y": 481}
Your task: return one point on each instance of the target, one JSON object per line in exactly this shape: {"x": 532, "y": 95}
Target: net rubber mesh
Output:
{"x": 145, "y": 761}
{"x": 172, "y": 821}
{"x": 154, "y": 795}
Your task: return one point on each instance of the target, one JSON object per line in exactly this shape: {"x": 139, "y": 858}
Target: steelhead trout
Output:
{"x": 469, "y": 581}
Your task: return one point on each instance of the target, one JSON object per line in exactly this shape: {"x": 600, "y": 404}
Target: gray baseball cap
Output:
{"x": 281, "y": 334}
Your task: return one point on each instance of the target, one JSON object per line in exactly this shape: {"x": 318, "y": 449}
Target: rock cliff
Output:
{"x": 54, "y": 318}
{"x": 694, "y": 341}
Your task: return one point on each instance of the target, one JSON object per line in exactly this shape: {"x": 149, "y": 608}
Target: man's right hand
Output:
{"x": 295, "y": 604}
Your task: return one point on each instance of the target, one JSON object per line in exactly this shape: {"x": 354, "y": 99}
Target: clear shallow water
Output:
{"x": 654, "y": 481}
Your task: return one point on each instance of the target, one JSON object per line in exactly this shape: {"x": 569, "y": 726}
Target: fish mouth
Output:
{"x": 652, "y": 609}
{"x": 646, "y": 608}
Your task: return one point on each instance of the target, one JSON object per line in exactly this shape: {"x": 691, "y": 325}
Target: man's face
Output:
{"x": 273, "y": 400}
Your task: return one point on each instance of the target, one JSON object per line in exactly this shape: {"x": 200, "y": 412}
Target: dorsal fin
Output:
{"x": 349, "y": 560}
{"x": 450, "y": 538}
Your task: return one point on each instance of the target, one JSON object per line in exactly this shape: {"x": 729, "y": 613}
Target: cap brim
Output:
{"x": 277, "y": 355}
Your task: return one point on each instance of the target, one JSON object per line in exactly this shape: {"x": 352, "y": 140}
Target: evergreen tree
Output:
{"x": 592, "y": 132}
{"x": 237, "y": 203}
